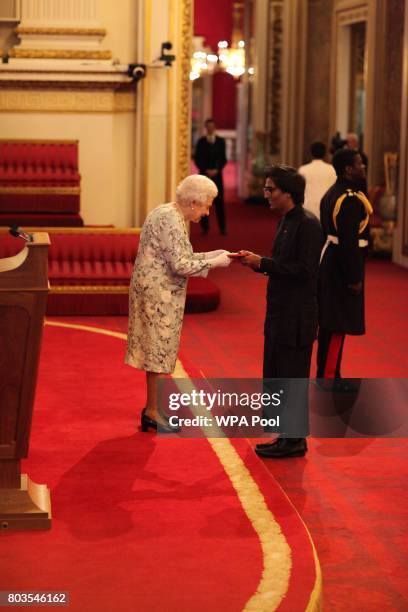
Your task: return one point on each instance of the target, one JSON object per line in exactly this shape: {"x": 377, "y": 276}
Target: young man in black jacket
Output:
{"x": 291, "y": 308}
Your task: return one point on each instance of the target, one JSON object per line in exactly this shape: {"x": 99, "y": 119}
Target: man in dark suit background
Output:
{"x": 210, "y": 158}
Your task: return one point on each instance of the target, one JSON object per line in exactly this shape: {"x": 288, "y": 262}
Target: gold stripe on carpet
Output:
{"x": 277, "y": 560}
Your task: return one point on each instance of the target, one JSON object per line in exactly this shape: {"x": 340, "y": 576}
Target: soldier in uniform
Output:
{"x": 291, "y": 301}
{"x": 344, "y": 214}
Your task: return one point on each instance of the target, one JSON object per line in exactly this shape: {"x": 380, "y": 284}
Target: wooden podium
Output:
{"x": 23, "y": 297}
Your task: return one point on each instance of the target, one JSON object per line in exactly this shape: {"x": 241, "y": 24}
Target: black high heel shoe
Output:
{"x": 147, "y": 423}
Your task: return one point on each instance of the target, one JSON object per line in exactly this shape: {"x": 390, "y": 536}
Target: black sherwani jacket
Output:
{"x": 291, "y": 312}
{"x": 341, "y": 309}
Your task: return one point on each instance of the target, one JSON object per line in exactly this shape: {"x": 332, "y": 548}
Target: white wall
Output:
{"x": 120, "y": 20}
{"x": 106, "y": 139}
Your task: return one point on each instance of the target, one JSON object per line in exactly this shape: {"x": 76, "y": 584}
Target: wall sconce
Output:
{"x": 166, "y": 57}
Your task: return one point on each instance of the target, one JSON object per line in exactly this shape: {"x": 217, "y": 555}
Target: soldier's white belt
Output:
{"x": 334, "y": 240}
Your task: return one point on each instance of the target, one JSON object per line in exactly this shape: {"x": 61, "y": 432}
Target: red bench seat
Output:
{"x": 89, "y": 271}
{"x": 39, "y": 178}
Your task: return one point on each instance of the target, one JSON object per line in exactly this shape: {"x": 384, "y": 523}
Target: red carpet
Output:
{"x": 350, "y": 493}
{"x": 141, "y": 522}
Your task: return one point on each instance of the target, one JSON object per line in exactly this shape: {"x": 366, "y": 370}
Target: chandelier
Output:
{"x": 229, "y": 59}
{"x": 232, "y": 59}
{"x": 203, "y": 61}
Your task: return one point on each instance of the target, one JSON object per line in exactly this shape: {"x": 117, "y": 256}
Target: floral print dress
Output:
{"x": 157, "y": 291}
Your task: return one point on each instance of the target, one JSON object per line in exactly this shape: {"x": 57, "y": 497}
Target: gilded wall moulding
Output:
{"x": 184, "y": 90}
{"x": 345, "y": 17}
{"x": 62, "y": 101}
{"x": 83, "y": 289}
{"x": 42, "y": 190}
{"x": 275, "y": 77}
{"x": 61, "y": 31}
{"x": 59, "y": 54}
{"x": 133, "y": 231}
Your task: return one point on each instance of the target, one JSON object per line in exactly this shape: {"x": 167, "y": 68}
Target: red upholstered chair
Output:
{"x": 39, "y": 183}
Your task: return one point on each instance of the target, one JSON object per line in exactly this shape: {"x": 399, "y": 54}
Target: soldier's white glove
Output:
{"x": 221, "y": 261}
{"x": 213, "y": 254}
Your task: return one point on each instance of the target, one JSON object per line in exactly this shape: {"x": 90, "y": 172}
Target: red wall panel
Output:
{"x": 213, "y": 21}
{"x": 224, "y": 100}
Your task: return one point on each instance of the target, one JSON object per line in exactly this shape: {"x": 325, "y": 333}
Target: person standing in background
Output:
{"x": 319, "y": 176}
{"x": 353, "y": 143}
{"x": 210, "y": 159}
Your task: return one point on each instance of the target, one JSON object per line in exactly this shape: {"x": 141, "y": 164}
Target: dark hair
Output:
{"x": 337, "y": 142}
{"x": 209, "y": 120}
{"x": 343, "y": 158}
{"x": 288, "y": 180}
{"x": 318, "y": 150}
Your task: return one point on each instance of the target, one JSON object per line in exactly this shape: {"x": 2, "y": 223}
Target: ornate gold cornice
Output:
{"x": 59, "y": 54}
{"x": 66, "y": 101}
{"x": 37, "y": 141}
{"x": 61, "y": 31}
{"x": 81, "y": 289}
{"x": 42, "y": 190}
{"x": 125, "y": 231}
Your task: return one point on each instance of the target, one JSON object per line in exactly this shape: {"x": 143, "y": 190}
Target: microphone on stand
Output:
{"x": 17, "y": 232}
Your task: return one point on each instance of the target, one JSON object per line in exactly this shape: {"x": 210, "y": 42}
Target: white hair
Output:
{"x": 195, "y": 187}
{"x": 353, "y": 137}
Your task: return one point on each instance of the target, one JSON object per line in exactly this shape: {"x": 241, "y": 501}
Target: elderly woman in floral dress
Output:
{"x": 157, "y": 291}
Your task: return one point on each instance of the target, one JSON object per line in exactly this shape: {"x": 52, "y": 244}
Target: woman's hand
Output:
{"x": 221, "y": 261}
{"x": 213, "y": 254}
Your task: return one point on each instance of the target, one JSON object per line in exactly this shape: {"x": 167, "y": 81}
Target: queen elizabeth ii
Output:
{"x": 157, "y": 292}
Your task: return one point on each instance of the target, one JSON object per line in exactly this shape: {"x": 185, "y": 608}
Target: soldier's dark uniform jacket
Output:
{"x": 344, "y": 215}
{"x": 291, "y": 312}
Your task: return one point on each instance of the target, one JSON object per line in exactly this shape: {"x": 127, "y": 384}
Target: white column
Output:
{"x": 260, "y": 47}
{"x": 164, "y": 104}
{"x": 294, "y": 74}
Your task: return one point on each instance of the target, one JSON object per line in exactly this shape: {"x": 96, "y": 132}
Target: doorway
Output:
{"x": 351, "y": 79}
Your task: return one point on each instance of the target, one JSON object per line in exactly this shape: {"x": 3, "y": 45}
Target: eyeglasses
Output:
{"x": 270, "y": 189}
